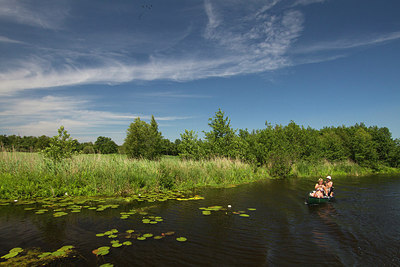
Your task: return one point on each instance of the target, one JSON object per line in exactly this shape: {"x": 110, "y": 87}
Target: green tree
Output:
{"x": 42, "y": 142}
{"x": 105, "y": 145}
{"x": 222, "y": 140}
{"x": 190, "y": 146}
{"x": 155, "y": 139}
{"x": 143, "y": 140}
{"x": 60, "y": 147}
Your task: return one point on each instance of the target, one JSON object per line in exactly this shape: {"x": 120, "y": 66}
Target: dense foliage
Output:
{"x": 143, "y": 140}
{"x": 280, "y": 147}
{"x": 105, "y": 145}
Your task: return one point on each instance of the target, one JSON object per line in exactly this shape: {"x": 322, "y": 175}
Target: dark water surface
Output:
{"x": 360, "y": 228}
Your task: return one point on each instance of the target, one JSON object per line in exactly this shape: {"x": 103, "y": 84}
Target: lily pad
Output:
{"x": 101, "y": 251}
{"x": 206, "y": 212}
{"x": 181, "y": 239}
{"x": 158, "y": 237}
{"x": 59, "y": 214}
{"x": 10, "y": 255}
{"x": 18, "y": 250}
{"x": 141, "y": 238}
{"x": 251, "y": 209}
{"x": 130, "y": 231}
{"x": 58, "y": 253}
{"x": 169, "y": 233}
{"x": 127, "y": 243}
{"x": 65, "y": 248}
{"x": 244, "y": 215}
{"x": 107, "y": 265}
{"x": 44, "y": 254}
{"x": 147, "y": 235}
{"x": 117, "y": 245}
{"x": 100, "y": 234}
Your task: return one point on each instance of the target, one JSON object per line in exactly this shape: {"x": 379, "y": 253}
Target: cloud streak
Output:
{"x": 349, "y": 43}
{"x": 259, "y": 44}
{"x": 38, "y": 116}
{"x": 45, "y": 14}
{"x": 4, "y": 39}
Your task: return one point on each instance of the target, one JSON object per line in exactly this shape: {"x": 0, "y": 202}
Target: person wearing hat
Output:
{"x": 329, "y": 186}
{"x": 320, "y": 189}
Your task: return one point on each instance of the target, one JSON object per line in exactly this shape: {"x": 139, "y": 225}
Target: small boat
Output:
{"x": 316, "y": 200}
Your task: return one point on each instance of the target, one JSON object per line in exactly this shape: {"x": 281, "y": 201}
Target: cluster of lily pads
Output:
{"x": 162, "y": 196}
{"x": 63, "y": 206}
{"x": 15, "y": 257}
{"x": 12, "y": 253}
{"x": 207, "y": 211}
{"x": 152, "y": 219}
{"x": 61, "y": 252}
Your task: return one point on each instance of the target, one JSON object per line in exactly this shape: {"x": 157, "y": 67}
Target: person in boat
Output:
{"x": 329, "y": 186}
{"x": 320, "y": 189}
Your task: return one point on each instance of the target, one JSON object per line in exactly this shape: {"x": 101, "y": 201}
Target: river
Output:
{"x": 359, "y": 228}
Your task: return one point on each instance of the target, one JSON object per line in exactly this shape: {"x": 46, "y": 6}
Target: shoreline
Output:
{"x": 29, "y": 176}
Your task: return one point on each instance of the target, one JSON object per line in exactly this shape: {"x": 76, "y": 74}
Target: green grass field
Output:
{"x": 29, "y": 175}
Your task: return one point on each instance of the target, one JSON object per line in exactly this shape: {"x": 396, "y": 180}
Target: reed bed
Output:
{"x": 29, "y": 175}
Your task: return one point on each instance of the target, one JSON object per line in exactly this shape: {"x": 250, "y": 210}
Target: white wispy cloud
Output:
{"x": 254, "y": 41}
{"x": 343, "y": 44}
{"x": 4, "y": 39}
{"x": 307, "y": 2}
{"x": 38, "y": 116}
{"x": 171, "y": 94}
{"x": 49, "y": 14}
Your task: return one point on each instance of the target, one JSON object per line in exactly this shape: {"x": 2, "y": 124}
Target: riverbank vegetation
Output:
{"x": 29, "y": 175}
{"x": 224, "y": 157}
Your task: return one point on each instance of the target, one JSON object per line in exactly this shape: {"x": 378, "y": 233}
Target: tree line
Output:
{"x": 277, "y": 147}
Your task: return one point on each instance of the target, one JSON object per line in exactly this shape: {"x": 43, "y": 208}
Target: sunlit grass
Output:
{"x": 27, "y": 175}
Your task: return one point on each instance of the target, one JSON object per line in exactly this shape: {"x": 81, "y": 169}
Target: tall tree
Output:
{"x": 222, "y": 140}
{"x": 142, "y": 140}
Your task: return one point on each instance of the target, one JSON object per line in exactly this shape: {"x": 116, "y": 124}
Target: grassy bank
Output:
{"x": 342, "y": 168}
{"x": 28, "y": 175}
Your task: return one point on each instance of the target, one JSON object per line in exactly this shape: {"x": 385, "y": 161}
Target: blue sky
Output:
{"x": 93, "y": 66}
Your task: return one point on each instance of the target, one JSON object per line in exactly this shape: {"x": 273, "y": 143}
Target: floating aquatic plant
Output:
{"x": 12, "y": 253}
{"x": 244, "y": 215}
{"x": 116, "y": 245}
{"x": 59, "y": 214}
{"x": 181, "y": 239}
{"x": 251, "y": 209}
{"x": 101, "y": 251}
{"x": 127, "y": 243}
